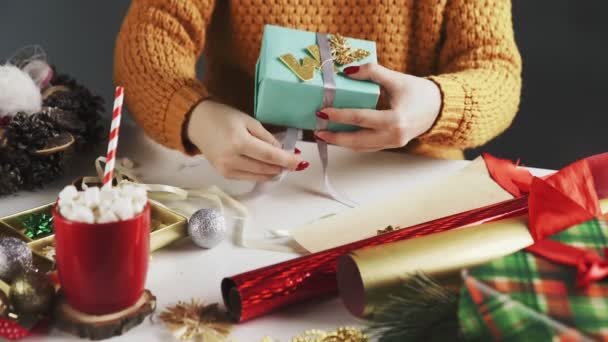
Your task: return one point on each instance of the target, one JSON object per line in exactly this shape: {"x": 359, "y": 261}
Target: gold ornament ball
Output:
{"x": 4, "y": 304}
{"x": 32, "y": 293}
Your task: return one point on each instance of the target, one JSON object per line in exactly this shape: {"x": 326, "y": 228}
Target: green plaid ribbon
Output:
{"x": 522, "y": 297}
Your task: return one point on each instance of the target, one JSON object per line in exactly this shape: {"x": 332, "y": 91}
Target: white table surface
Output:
{"x": 184, "y": 271}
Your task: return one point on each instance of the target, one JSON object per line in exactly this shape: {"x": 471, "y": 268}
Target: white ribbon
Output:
{"x": 291, "y": 135}
{"x": 124, "y": 172}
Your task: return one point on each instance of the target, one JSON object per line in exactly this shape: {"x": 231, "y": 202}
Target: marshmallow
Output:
{"x": 123, "y": 207}
{"x": 139, "y": 205}
{"x": 91, "y": 197}
{"x": 102, "y": 205}
{"x": 68, "y": 193}
{"x": 82, "y": 214}
{"x": 66, "y": 210}
{"x": 107, "y": 216}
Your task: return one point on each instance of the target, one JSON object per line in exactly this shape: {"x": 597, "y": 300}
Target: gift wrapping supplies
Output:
{"x": 490, "y": 232}
{"x": 289, "y": 87}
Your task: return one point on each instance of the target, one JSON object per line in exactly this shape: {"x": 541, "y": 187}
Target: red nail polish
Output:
{"x": 302, "y": 166}
{"x": 318, "y": 137}
{"x": 322, "y": 115}
{"x": 297, "y": 151}
{"x": 351, "y": 70}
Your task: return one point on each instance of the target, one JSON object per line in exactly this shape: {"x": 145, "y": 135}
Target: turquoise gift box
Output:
{"x": 283, "y": 99}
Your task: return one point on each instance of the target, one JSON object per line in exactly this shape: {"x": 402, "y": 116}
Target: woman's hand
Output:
{"x": 237, "y": 145}
{"x": 414, "y": 105}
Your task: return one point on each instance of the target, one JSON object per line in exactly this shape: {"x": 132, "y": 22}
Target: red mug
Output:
{"x": 102, "y": 266}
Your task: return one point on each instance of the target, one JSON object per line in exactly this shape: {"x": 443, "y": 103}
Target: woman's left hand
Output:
{"x": 415, "y": 103}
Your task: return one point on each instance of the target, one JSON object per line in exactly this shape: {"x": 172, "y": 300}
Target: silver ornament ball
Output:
{"x": 207, "y": 227}
{"x": 15, "y": 257}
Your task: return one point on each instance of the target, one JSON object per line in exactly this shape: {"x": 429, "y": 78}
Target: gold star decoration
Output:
{"x": 342, "y": 52}
{"x": 387, "y": 230}
{"x": 195, "y": 320}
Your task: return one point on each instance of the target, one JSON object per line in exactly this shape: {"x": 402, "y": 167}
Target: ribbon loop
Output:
{"x": 590, "y": 268}
{"x": 557, "y": 202}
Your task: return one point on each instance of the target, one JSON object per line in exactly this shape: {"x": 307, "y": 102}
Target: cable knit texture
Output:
{"x": 465, "y": 46}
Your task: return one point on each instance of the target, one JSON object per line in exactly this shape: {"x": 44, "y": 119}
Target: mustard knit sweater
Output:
{"x": 465, "y": 46}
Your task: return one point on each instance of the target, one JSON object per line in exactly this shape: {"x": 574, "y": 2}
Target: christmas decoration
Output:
{"x": 343, "y": 53}
{"x": 207, "y": 227}
{"x": 48, "y": 252}
{"x": 38, "y": 225}
{"x": 80, "y": 101}
{"x": 194, "y": 320}
{"x": 342, "y": 334}
{"x": 32, "y": 293}
{"x": 387, "y": 230}
{"x": 526, "y": 296}
{"x": 11, "y": 330}
{"x": 18, "y": 92}
{"x": 4, "y": 304}
{"x": 15, "y": 257}
{"x": 266, "y": 289}
{"x": 418, "y": 310}
{"x": 36, "y": 129}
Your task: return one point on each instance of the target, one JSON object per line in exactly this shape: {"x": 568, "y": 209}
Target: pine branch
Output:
{"x": 419, "y": 310}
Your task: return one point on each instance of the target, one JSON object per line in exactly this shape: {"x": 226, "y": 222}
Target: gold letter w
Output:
{"x": 306, "y": 70}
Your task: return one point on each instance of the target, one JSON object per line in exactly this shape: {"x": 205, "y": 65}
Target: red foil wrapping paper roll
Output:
{"x": 261, "y": 291}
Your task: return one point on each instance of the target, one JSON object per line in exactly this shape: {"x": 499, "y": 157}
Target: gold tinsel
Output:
{"x": 195, "y": 320}
{"x": 48, "y": 252}
{"x": 342, "y": 334}
{"x": 342, "y": 52}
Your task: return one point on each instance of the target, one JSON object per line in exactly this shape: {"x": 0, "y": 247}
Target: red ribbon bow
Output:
{"x": 557, "y": 202}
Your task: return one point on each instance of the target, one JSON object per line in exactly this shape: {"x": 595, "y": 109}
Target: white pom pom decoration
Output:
{"x": 18, "y": 92}
{"x": 40, "y": 72}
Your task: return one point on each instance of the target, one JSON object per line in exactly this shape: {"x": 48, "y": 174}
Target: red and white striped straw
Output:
{"x": 113, "y": 140}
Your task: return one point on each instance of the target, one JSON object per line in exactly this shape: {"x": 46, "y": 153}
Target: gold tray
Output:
{"x": 166, "y": 227}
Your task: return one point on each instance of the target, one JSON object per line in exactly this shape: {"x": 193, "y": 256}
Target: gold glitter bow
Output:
{"x": 195, "y": 320}
{"x": 342, "y": 52}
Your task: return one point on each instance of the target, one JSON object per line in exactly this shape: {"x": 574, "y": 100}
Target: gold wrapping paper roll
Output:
{"x": 365, "y": 276}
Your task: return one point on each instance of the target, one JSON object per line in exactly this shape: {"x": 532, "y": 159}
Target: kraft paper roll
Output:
{"x": 365, "y": 276}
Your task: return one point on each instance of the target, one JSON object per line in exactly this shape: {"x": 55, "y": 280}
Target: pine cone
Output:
{"x": 81, "y": 101}
{"x": 30, "y": 132}
{"x": 42, "y": 170}
{"x": 10, "y": 179}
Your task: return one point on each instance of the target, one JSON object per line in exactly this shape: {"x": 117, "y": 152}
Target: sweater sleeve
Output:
{"x": 479, "y": 74}
{"x": 155, "y": 60}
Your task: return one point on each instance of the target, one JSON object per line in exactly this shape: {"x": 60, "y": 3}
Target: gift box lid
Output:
{"x": 278, "y": 41}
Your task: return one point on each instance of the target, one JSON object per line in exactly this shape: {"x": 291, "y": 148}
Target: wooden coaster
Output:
{"x": 102, "y": 327}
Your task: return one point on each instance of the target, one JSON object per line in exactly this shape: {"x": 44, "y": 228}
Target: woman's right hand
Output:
{"x": 237, "y": 145}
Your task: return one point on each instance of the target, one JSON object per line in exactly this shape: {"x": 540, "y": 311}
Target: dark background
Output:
{"x": 563, "y": 44}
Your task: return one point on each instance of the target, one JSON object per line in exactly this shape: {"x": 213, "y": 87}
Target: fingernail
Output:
{"x": 297, "y": 151}
{"x": 302, "y": 166}
{"x": 351, "y": 70}
{"x": 322, "y": 115}
{"x": 318, "y": 137}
